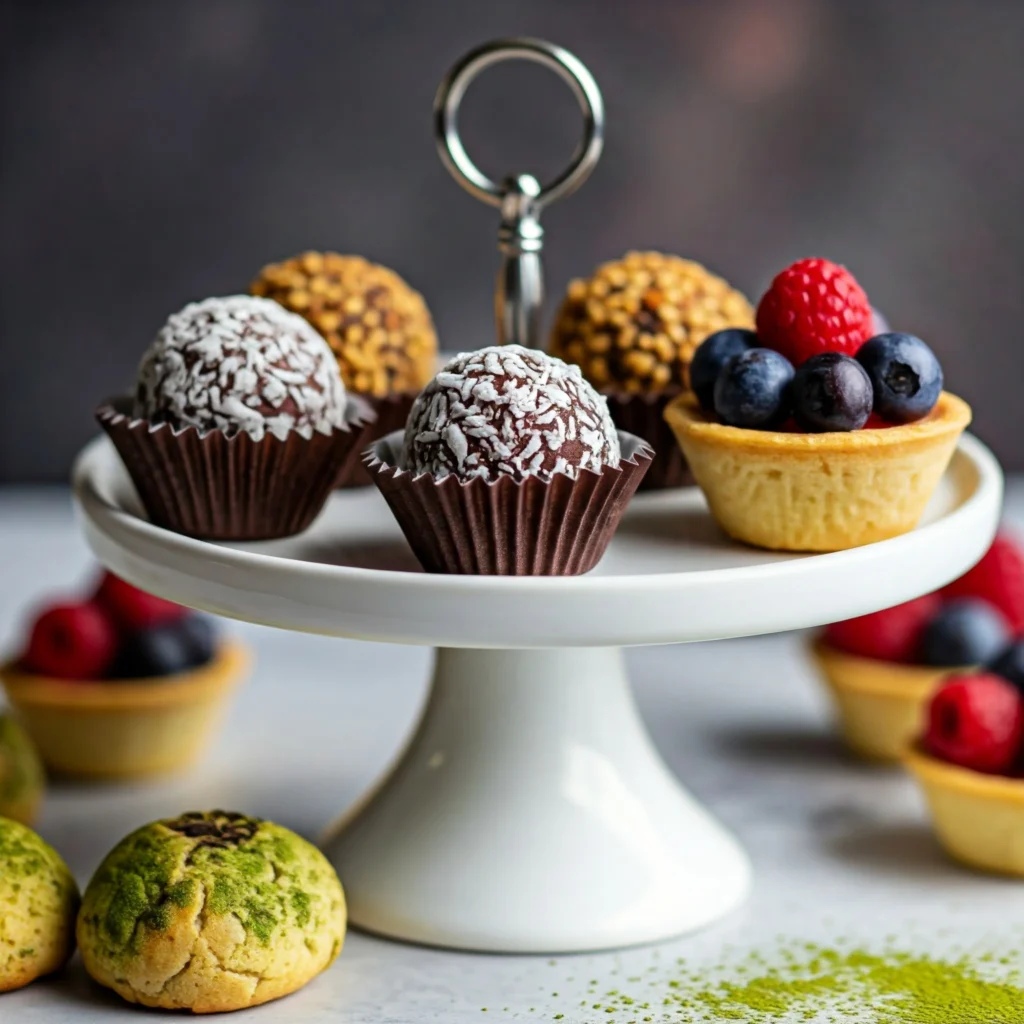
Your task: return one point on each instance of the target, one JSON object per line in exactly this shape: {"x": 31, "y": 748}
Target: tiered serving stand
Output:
{"x": 529, "y": 811}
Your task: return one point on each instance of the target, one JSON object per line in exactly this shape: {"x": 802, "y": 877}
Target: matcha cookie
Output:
{"x": 21, "y": 773}
{"x": 210, "y": 912}
{"x": 38, "y": 901}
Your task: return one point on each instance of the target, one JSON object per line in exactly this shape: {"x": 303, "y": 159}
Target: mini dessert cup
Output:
{"x": 881, "y": 705}
{"x": 818, "y": 492}
{"x": 978, "y": 818}
{"x": 390, "y": 413}
{"x": 643, "y": 414}
{"x": 535, "y": 527}
{"x": 121, "y": 729}
{"x": 217, "y": 487}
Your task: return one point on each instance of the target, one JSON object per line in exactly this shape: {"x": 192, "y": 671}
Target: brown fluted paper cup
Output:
{"x": 215, "y": 487}
{"x": 478, "y": 527}
{"x": 391, "y": 412}
{"x": 644, "y": 416}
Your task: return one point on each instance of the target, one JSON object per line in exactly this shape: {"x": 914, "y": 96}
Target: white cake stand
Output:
{"x": 530, "y": 812}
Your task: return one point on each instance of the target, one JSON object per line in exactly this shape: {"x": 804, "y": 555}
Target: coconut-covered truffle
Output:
{"x": 509, "y": 411}
{"x": 22, "y": 779}
{"x": 635, "y": 324}
{"x": 240, "y": 364}
{"x": 379, "y": 328}
{"x": 38, "y": 902}
{"x": 210, "y": 912}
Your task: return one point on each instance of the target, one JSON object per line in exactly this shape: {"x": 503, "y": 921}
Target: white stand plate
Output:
{"x": 530, "y": 812}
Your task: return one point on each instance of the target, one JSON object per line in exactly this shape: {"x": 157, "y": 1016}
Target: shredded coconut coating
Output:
{"x": 240, "y": 364}
{"x": 508, "y": 410}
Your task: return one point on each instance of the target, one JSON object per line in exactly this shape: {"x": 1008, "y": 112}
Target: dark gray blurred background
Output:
{"x": 155, "y": 152}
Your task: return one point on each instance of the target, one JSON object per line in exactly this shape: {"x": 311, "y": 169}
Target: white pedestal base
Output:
{"x": 531, "y": 814}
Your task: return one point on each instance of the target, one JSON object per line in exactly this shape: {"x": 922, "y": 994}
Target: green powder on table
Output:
{"x": 812, "y": 983}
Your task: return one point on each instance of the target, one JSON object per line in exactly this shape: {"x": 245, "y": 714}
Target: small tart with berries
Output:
{"x": 123, "y": 684}
{"x": 812, "y": 435}
{"x": 879, "y": 704}
{"x": 881, "y": 669}
{"x": 968, "y": 764}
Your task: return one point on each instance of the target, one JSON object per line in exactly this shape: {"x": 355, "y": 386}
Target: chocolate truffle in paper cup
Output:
{"x": 632, "y": 328}
{"x": 509, "y": 465}
{"x": 239, "y": 424}
{"x": 378, "y": 327}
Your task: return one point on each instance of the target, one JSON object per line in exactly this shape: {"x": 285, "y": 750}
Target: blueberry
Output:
{"x": 965, "y": 632}
{"x": 158, "y": 651}
{"x": 711, "y": 355}
{"x": 1010, "y": 664}
{"x": 199, "y": 633}
{"x": 905, "y": 375}
{"x": 752, "y": 389}
{"x": 831, "y": 392}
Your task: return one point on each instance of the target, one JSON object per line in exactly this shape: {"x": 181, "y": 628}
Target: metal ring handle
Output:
{"x": 568, "y": 67}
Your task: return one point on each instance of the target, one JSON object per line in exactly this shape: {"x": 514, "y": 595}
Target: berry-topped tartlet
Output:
{"x": 123, "y": 683}
{"x": 509, "y": 465}
{"x": 882, "y": 669}
{"x": 969, "y": 762}
{"x": 811, "y": 434}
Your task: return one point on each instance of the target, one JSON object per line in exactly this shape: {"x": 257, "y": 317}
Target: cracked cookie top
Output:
{"x": 176, "y": 881}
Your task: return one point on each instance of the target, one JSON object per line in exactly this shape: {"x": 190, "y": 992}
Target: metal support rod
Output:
{"x": 519, "y": 289}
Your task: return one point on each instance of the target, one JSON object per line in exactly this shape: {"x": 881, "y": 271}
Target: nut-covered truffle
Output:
{"x": 22, "y": 779}
{"x": 38, "y": 902}
{"x": 240, "y": 364}
{"x": 377, "y": 326}
{"x": 635, "y": 324}
{"x": 211, "y": 911}
{"x": 508, "y": 410}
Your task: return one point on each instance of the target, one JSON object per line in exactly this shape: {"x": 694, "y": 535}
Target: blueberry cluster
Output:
{"x": 167, "y": 648}
{"x": 895, "y": 376}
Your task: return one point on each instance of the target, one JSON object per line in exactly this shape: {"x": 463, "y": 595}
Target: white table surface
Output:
{"x": 841, "y": 851}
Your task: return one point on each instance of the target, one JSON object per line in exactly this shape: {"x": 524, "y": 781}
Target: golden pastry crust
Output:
{"x": 636, "y": 322}
{"x": 378, "y": 327}
{"x": 38, "y": 902}
{"x": 978, "y": 818}
{"x": 881, "y": 704}
{"x": 210, "y": 912}
{"x": 818, "y": 492}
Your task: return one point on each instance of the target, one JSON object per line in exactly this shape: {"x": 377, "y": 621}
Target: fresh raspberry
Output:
{"x": 814, "y": 306}
{"x": 976, "y": 722}
{"x": 998, "y": 579}
{"x": 72, "y": 641}
{"x": 890, "y": 635}
{"x": 132, "y": 608}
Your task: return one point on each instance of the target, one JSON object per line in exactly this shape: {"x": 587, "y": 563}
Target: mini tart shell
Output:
{"x": 125, "y": 729}
{"x": 881, "y": 705}
{"x": 818, "y": 492}
{"x": 978, "y": 818}
{"x": 505, "y": 527}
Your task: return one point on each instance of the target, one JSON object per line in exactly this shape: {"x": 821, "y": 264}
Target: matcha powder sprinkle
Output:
{"x": 828, "y": 986}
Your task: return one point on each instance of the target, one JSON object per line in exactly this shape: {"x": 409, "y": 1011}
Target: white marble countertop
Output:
{"x": 841, "y": 851}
